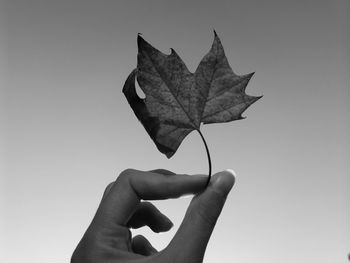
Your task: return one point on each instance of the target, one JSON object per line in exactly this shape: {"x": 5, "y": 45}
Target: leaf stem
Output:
{"x": 208, "y": 154}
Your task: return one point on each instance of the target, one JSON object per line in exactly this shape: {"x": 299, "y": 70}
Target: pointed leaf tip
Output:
{"x": 140, "y": 39}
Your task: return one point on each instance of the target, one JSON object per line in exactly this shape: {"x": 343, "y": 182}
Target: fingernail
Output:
{"x": 232, "y": 172}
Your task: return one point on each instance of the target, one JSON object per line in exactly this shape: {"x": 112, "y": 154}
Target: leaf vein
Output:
{"x": 177, "y": 100}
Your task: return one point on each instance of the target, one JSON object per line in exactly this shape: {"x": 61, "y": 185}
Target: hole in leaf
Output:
{"x": 139, "y": 91}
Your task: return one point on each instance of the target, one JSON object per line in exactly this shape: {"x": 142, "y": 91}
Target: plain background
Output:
{"x": 67, "y": 130}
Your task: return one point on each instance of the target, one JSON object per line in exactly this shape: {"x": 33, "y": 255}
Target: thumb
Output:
{"x": 200, "y": 219}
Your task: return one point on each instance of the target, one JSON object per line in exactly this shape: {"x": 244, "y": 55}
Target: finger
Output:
{"x": 148, "y": 215}
{"x": 158, "y": 171}
{"x": 132, "y": 185}
{"x": 162, "y": 171}
{"x": 142, "y": 246}
{"x": 201, "y": 216}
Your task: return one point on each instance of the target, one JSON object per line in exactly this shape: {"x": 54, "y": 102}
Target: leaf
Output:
{"x": 178, "y": 101}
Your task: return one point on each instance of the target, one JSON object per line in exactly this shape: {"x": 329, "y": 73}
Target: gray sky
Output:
{"x": 68, "y": 130}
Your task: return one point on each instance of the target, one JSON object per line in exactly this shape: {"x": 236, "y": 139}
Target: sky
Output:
{"x": 67, "y": 129}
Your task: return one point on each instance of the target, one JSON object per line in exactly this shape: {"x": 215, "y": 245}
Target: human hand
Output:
{"x": 108, "y": 238}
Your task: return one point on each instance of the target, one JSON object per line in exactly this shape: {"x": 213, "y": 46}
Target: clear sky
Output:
{"x": 67, "y": 130}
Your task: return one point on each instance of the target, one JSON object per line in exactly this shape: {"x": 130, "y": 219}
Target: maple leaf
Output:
{"x": 178, "y": 101}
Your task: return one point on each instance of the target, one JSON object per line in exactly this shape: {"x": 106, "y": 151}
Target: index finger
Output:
{"x": 133, "y": 185}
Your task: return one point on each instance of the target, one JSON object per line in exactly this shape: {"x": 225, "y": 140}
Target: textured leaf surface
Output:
{"x": 178, "y": 101}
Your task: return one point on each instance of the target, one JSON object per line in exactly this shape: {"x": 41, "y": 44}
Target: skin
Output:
{"x": 108, "y": 238}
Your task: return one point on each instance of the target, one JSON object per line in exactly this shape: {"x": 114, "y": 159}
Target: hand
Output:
{"x": 108, "y": 238}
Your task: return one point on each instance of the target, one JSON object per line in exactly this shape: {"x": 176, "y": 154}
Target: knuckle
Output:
{"x": 170, "y": 187}
{"x": 167, "y": 189}
{"x": 109, "y": 186}
{"x": 126, "y": 174}
{"x": 165, "y": 186}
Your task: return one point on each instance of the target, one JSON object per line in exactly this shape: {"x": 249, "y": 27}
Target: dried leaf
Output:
{"x": 178, "y": 101}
